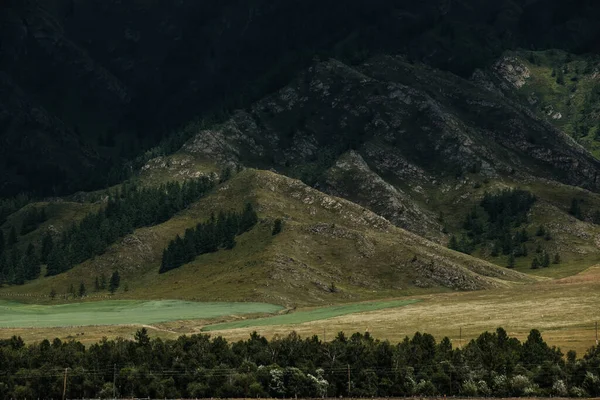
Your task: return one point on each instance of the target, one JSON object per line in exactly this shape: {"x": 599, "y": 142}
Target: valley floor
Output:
{"x": 564, "y": 310}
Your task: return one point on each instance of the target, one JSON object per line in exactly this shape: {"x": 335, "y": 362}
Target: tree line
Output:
{"x": 198, "y": 366}
{"x": 128, "y": 208}
{"x": 208, "y": 237}
{"x": 496, "y": 224}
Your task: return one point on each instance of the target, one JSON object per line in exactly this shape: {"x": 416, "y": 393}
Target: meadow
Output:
{"x": 119, "y": 312}
{"x": 316, "y": 314}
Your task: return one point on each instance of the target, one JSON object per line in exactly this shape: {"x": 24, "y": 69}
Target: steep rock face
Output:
{"x": 388, "y": 134}
{"x": 351, "y": 178}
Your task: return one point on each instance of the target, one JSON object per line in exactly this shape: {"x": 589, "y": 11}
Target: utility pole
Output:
{"x": 115, "y": 381}
{"x": 348, "y": 380}
{"x": 65, "y": 385}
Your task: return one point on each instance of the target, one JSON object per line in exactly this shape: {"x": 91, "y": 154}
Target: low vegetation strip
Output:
{"x": 119, "y": 312}
{"x": 312, "y": 315}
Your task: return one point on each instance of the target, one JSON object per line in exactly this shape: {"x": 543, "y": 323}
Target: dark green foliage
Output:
{"x": 32, "y": 219}
{"x": 82, "y": 290}
{"x": 575, "y": 209}
{"x": 2, "y": 242}
{"x": 208, "y": 237}
{"x": 496, "y": 221}
{"x": 12, "y": 237}
{"x": 47, "y": 246}
{"x": 200, "y": 366}
{"x": 130, "y": 208}
{"x": 52, "y": 294}
{"x": 535, "y": 263}
{"x": 96, "y": 284}
{"x": 511, "y": 261}
{"x": 541, "y": 231}
{"x": 545, "y": 261}
{"x": 560, "y": 76}
{"x": 556, "y": 259}
{"x": 115, "y": 282}
{"x": 277, "y": 227}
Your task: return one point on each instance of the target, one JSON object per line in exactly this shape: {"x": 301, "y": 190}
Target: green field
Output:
{"x": 119, "y": 312}
{"x": 312, "y": 315}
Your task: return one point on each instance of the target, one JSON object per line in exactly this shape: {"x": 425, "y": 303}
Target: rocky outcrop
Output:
{"x": 410, "y": 130}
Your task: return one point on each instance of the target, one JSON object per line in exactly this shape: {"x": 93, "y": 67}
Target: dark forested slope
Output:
{"x": 87, "y": 84}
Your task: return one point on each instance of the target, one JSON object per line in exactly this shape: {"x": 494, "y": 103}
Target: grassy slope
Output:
{"x": 120, "y": 312}
{"x": 577, "y": 99}
{"x": 324, "y": 240}
{"x": 577, "y": 242}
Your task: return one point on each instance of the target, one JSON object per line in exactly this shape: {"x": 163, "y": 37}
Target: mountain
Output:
{"x": 329, "y": 250}
{"x": 86, "y": 86}
{"x": 373, "y": 170}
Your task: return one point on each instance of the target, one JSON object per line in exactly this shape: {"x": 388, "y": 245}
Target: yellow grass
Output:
{"x": 564, "y": 310}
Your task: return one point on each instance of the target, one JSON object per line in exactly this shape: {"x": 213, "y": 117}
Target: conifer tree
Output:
{"x": 511, "y": 260}
{"x": 453, "y": 243}
{"x": 82, "y": 291}
{"x": 249, "y": 218}
{"x": 575, "y": 209}
{"x": 277, "y": 227}
{"x": 96, "y": 285}
{"x": 535, "y": 264}
{"x": 47, "y": 246}
{"x": 31, "y": 263}
{"x": 557, "y": 258}
{"x": 115, "y": 281}
{"x": 545, "y": 262}
{"x": 103, "y": 282}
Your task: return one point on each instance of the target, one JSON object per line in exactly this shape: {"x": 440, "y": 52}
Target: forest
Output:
{"x": 128, "y": 208}
{"x": 208, "y": 237}
{"x": 493, "y": 364}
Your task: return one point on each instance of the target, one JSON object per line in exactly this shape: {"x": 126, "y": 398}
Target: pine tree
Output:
{"x": 31, "y": 263}
{"x": 545, "y": 262}
{"x": 535, "y": 264}
{"x": 103, "y": 282}
{"x": 115, "y": 281}
{"x": 96, "y": 285}
{"x": 541, "y": 231}
{"x": 596, "y": 217}
{"x": 277, "y": 227}
{"x": 557, "y": 258}
{"x": 575, "y": 209}
{"x": 47, "y": 246}
{"x": 82, "y": 290}
{"x": 511, "y": 261}
{"x": 453, "y": 243}
{"x": 248, "y": 219}
{"x": 52, "y": 294}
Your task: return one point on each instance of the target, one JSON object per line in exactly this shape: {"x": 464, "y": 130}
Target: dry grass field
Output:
{"x": 565, "y": 310}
